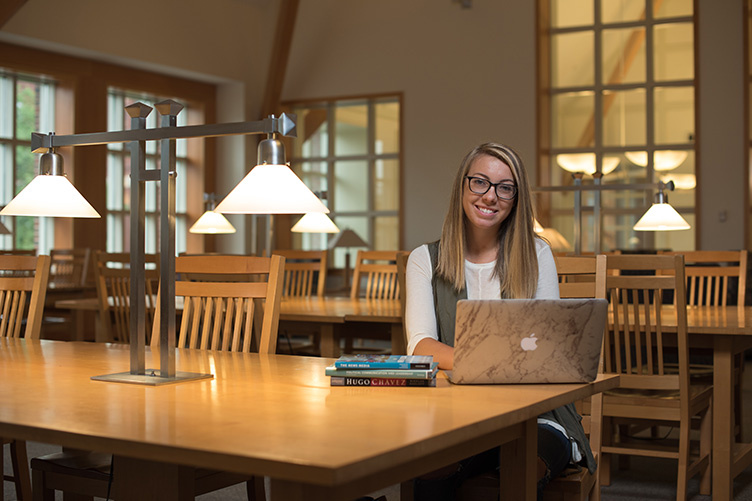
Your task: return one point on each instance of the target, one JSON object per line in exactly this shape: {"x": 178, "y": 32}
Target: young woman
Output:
{"x": 488, "y": 250}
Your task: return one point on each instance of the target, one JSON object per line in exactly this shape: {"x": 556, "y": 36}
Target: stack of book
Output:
{"x": 383, "y": 370}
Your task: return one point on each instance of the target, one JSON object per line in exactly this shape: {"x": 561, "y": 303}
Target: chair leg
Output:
{"x": 623, "y": 460}
{"x": 595, "y": 490}
{"x": 20, "y": 463}
{"x": 706, "y": 444}
{"x": 681, "y": 477}
{"x": 41, "y": 493}
{"x": 407, "y": 491}
{"x": 738, "y": 406}
{"x": 604, "y": 462}
{"x": 255, "y": 489}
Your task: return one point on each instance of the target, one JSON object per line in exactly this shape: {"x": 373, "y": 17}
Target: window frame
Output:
{"x": 371, "y": 157}
{"x": 622, "y": 205}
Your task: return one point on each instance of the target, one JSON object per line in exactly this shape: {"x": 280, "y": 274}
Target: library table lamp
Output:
{"x": 347, "y": 238}
{"x": 271, "y": 188}
{"x": 661, "y": 216}
{"x": 50, "y": 193}
{"x": 315, "y": 222}
{"x": 277, "y": 178}
{"x": 211, "y": 222}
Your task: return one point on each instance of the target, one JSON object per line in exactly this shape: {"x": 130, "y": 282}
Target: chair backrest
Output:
{"x": 69, "y": 267}
{"x": 303, "y": 269}
{"x": 19, "y": 252}
{"x": 220, "y": 315}
{"x": 582, "y": 276}
{"x": 23, "y": 287}
{"x": 402, "y": 258}
{"x": 379, "y": 271}
{"x": 113, "y": 281}
{"x": 709, "y": 273}
{"x": 634, "y": 345}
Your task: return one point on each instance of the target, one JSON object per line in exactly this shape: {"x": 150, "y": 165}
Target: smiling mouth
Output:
{"x": 484, "y": 210}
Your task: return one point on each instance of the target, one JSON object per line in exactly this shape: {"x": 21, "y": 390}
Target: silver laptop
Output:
{"x": 513, "y": 341}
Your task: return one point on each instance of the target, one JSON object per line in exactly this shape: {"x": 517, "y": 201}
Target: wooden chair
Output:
{"x": 69, "y": 267}
{"x": 69, "y": 278}
{"x": 650, "y": 393}
{"x": 710, "y": 274}
{"x": 23, "y": 287}
{"x": 216, "y": 316}
{"x": 582, "y": 277}
{"x": 305, "y": 276}
{"x": 379, "y": 271}
{"x": 113, "y": 279}
{"x": 220, "y": 315}
{"x": 711, "y": 277}
{"x": 303, "y": 269}
{"x": 374, "y": 277}
{"x": 19, "y": 252}
{"x": 402, "y": 258}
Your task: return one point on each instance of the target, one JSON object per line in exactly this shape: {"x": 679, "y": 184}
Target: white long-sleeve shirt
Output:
{"x": 420, "y": 318}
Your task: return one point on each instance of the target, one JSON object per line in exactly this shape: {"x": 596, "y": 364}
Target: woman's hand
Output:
{"x": 442, "y": 353}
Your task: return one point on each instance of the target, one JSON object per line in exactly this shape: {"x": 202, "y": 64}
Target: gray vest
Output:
{"x": 445, "y": 305}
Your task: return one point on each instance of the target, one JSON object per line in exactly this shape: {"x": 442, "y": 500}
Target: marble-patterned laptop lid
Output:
{"x": 512, "y": 341}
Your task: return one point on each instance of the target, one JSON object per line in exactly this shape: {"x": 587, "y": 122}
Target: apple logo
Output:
{"x": 529, "y": 343}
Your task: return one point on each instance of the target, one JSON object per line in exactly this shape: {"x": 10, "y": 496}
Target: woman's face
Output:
{"x": 487, "y": 211}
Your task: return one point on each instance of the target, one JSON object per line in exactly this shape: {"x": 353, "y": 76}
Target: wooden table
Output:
{"x": 730, "y": 331}
{"x": 273, "y": 415}
{"x": 727, "y": 331}
{"x": 329, "y": 314}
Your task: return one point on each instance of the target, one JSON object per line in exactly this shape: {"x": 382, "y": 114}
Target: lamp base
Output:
{"x": 151, "y": 377}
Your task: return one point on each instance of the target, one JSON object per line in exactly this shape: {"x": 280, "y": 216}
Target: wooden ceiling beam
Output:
{"x": 288, "y": 12}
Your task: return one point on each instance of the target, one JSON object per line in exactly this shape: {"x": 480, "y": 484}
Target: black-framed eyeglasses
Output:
{"x": 480, "y": 186}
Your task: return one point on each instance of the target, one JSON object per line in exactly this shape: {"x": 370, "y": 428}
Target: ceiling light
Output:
{"x": 663, "y": 160}
{"x": 585, "y": 163}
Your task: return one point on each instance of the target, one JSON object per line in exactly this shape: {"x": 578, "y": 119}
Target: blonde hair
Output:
{"x": 517, "y": 258}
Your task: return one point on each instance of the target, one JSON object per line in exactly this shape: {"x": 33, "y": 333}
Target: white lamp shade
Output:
{"x": 663, "y": 160}
{"x": 315, "y": 222}
{"x": 585, "y": 163}
{"x": 212, "y": 223}
{"x": 271, "y": 189}
{"x": 661, "y": 217}
{"x": 49, "y": 195}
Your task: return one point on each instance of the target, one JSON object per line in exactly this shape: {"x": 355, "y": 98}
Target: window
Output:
{"x": 620, "y": 98}
{"x": 27, "y": 104}
{"x": 350, "y": 150}
{"x": 118, "y": 177}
